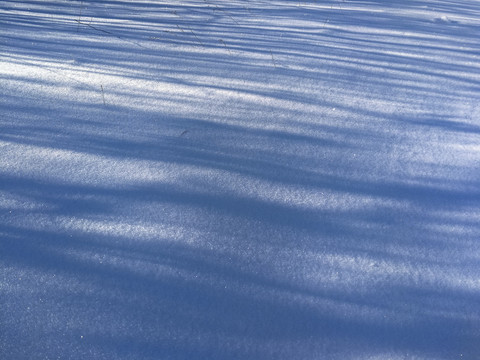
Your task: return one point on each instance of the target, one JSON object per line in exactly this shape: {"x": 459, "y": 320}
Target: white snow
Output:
{"x": 239, "y": 179}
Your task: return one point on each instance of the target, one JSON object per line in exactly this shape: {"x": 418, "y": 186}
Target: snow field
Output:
{"x": 239, "y": 179}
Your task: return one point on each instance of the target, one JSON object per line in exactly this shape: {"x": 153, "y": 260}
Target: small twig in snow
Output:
{"x": 103, "y": 95}
{"x": 226, "y": 12}
{"x": 196, "y": 37}
{"x": 226, "y": 47}
{"x": 79, "y": 16}
{"x": 109, "y": 33}
{"x": 273, "y": 60}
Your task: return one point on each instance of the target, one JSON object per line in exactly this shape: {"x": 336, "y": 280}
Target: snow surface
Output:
{"x": 211, "y": 179}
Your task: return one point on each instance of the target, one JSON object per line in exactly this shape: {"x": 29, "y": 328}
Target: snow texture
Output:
{"x": 208, "y": 179}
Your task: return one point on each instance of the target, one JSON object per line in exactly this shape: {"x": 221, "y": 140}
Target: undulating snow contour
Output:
{"x": 270, "y": 179}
